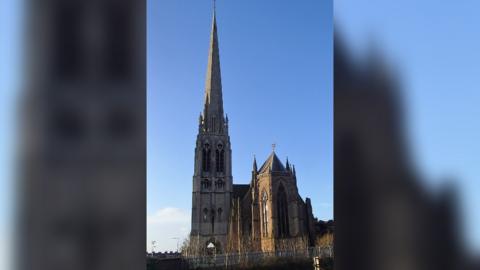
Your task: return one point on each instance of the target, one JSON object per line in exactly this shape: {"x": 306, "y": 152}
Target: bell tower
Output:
{"x": 212, "y": 178}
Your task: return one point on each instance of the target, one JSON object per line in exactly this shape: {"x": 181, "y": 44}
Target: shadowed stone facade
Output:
{"x": 269, "y": 214}
{"x": 263, "y": 215}
{"x": 212, "y": 179}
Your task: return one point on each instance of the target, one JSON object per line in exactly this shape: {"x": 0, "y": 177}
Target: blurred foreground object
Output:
{"x": 83, "y": 153}
{"x": 385, "y": 218}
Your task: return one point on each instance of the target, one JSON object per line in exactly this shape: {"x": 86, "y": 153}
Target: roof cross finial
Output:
{"x": 273, "y": 147}
{"x": 214, "y": 5}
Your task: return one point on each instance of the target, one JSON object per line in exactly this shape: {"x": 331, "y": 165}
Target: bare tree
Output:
{"x": 191, "y": 246}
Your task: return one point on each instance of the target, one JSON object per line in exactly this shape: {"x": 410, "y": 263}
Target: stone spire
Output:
{"x": 255, "y": 164}
{"x": 213, "y": 107}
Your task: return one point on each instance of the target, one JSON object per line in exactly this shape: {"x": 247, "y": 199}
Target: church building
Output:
{"x": 266, "y": 215}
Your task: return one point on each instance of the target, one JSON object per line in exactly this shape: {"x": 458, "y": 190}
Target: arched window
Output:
{"x": 206, "y": 158}
{"x": 206, "y": 184}
{"x": 264, "y": 214}
{"x": 220, "y": 214}
{"x": 282, "y": 213}
{"x": 219, "y": 184}
{"x": 220, "y": 158}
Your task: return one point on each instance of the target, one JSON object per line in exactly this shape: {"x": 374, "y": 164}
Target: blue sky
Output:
{"x": 276, "y": 61}
{"x": 9, "y": 82}
{"x": 434, "y": 46}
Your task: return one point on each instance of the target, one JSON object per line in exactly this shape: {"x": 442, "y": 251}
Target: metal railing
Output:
{"x": 230, "y": 259}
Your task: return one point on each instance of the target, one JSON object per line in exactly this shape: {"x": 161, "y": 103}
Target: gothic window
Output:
{"x": 206, "y": 184}
{"x": 264, "y": 214}
{"x": 219, "y": 213}
{"x": 217, "y": 160}
{"x": 220, "y": 158}
{"x": 68, "y": 54}
{"x": 206, "y": 158}
{"x": 118, "y": 58}
{"x": 219, "y": 184}
{"x": 205, "y": 214}
{"x": 282, "y": 213}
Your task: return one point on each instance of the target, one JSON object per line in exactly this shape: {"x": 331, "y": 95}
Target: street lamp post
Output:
{"x": 178, "y": 239}
{"x": 154, "y": 245}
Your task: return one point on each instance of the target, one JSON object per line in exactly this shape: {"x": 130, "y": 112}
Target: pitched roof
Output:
{"x": 272, "y": 163}
{"x": 239, "y": 191}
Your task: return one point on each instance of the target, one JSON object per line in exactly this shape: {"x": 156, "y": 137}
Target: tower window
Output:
{"x": 220, "y": 158}
{"x": 219, "y": 184}
{"x": 206, "y": 184}
{"x": 217, "y": 160}
{"x": 118, "y": 23}
{"x": 206, "y": 158}
{"x": 219, "y": 213}
{"x": 68, "y": 55}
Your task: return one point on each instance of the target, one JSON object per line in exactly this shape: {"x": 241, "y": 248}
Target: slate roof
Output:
{"x": 272, "y": 163}
{"x": 239, "y": 191}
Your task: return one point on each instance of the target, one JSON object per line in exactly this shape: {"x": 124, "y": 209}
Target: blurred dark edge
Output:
{"x": 82, "y": 157}
{"x": 385, "y": 218}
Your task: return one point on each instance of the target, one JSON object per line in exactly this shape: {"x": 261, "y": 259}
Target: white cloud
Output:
{"x": 165, "y": 225}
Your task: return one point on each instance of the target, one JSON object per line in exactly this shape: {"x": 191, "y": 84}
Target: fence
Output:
{"x": 249, "y": 258}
